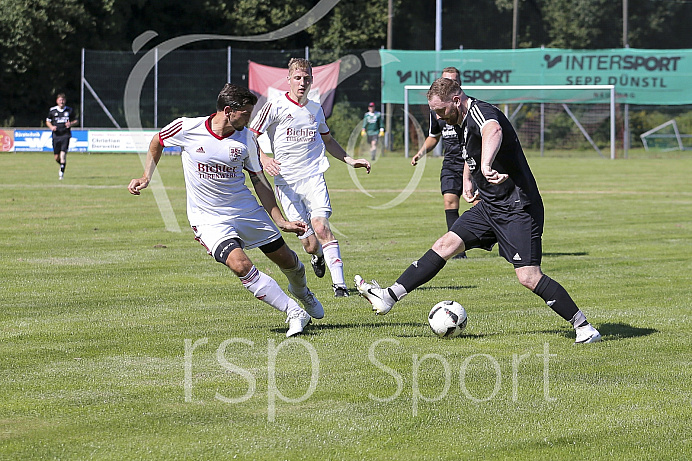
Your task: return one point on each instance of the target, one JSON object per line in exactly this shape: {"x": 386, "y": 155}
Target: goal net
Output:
{"x": 554, "y": 117}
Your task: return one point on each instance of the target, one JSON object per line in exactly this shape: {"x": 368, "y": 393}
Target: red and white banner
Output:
{"x": 267, "y": 82}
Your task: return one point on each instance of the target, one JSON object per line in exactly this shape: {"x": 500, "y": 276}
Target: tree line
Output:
{"x": 41, "y": 40}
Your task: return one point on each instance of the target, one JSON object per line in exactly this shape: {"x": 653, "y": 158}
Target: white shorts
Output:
{"x": 304, "y": 200}
{"x": 254, "y": 229}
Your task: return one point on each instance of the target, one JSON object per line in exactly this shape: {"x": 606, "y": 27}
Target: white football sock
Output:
{"x": 266, "y": 289}
{"x": 296, "y": 278}
{"x": 398, "y": 290}
{"x": 332, "y": 256}
{"x": 578, "y": 319}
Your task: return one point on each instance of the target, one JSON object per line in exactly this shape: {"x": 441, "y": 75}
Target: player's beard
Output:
{"x": 454, "y": 116}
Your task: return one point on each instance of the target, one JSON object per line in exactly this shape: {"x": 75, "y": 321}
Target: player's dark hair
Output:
{"x": 452, "y": 70}
{"x": 235, "y": 97}
{"x": 299, "y": 63}
{"x": 444, "y": 88}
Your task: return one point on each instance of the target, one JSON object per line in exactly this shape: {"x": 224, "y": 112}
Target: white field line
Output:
{"x": 388, "y": 191}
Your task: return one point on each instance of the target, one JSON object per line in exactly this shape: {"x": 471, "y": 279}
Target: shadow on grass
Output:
{"x": 316, "y": 327}
{"x": 429, "y": 334}
{"x": 340, "y": 326}
{"x": 389, "y": 328}
{"x": 611, "y": 331}
{"x": 354, "y": 292}
{"x": 575, "y": 253}
{"x": 449, "y": 287}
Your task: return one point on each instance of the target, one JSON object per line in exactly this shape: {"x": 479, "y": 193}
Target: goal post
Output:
{"x": 520, "y": 94}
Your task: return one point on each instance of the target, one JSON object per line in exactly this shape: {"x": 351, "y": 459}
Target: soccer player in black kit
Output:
{"x": 510, "y": 212}
{"x": 60, "y": 120}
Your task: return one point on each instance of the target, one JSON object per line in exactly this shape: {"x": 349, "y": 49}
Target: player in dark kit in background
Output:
{"x": 510, "y": 212}
{"x": 60, "y": 119}
{"x": 453, "y": 166}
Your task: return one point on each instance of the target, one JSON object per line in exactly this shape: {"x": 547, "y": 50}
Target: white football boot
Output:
{"x": 587, "y": 334}
{"x": 297, "y": 320}
{"x": 310, "y": 303}
{"x": 378, "y": 297}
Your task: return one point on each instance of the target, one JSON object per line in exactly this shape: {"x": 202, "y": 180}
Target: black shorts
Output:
{"x": 517, "y": 232}
{"x": 451, "y": 181}
{"x": 373, "y": 137}
{"x": 61, "y": 144}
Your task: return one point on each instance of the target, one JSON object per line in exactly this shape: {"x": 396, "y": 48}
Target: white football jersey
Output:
{"x": 295, "y": 135}
{"x": 213, "y": 167}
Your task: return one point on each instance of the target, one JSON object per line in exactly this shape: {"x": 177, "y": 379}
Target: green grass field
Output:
{"x": 121, "y": 340}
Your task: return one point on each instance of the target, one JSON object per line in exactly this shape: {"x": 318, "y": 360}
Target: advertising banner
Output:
{"x": 42, "y": 141}
{"x": 653, "y": 77}
{"x": 6, "y": 140}
{"x": 120, "y": 141}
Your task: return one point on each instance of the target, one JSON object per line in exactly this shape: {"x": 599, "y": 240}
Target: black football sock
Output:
{"x": 451, "y": 215}
{"x": 62, "y": 167}
{"x": 557, "y": 298}
{"x": 421, "y": 271}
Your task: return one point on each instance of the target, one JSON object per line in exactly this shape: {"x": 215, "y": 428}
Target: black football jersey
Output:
{"x": 450, "y": 143}
{"x": 520, "y": 189}
{"x": 59, "y": 118}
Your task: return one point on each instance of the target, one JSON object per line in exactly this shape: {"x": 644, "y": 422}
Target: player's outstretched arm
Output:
{"x": 266, "y": 197}
{"x": 428, "y": 145}
{"x": 153, "y": 157}
{"x": 338, "y": 152}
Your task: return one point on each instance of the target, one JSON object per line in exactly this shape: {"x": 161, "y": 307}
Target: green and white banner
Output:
{"x": 661, "y": 77}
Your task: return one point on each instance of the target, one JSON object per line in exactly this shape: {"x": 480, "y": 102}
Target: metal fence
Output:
{"x": 186, "y": 82}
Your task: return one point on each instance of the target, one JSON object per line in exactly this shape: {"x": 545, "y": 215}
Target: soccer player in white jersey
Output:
{"x": 299, "y": 135}
{"x": 223, "y": 213}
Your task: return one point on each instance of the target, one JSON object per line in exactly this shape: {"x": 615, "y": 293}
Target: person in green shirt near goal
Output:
{"x": 372, "y": 127}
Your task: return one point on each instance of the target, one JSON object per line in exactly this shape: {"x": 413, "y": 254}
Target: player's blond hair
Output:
{"x": 299, "y": 63}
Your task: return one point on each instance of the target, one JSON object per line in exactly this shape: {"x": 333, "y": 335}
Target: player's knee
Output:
{"x": 322, "y": 230}
{"x": 224, "y": 249}
{"x": 451, "y": 203}
{"x": 448, "y": 245}
{"x": 529, "y": 276}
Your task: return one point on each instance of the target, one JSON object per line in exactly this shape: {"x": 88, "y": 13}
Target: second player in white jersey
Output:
{"x": 295, "y": 132}
{"x": 299, "y": 135}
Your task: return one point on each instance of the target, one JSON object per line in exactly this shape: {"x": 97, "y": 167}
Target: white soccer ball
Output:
{"x": 447, "y": 319}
